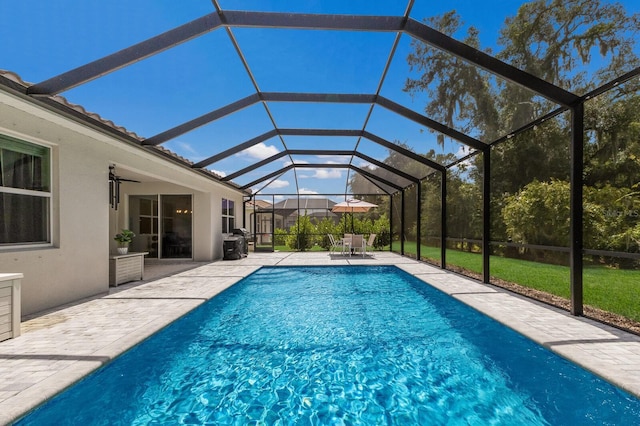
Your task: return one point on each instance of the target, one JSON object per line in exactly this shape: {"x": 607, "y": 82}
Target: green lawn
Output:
{"x": 613, "y": 290}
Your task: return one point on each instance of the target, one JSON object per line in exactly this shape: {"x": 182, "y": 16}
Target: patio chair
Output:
{"x": 369, "y": 242}
{"x": 346, "y": 243}
{"x": 334, "y": 244}
{"x": 358, "y": 244}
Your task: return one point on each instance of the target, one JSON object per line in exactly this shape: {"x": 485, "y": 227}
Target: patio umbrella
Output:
{"x": 353, "y": 206}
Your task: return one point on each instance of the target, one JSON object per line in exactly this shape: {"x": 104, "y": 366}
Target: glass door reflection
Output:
{"x": 176, "y": 228}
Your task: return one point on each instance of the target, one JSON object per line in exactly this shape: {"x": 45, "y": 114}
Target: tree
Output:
{"x": 611, "y": 219}
{"x": 612, "y": 149}
{"x": 539, "y": 214}
{"x": 464, "y": 206}
{"x": 540, "y": 153}
{"x": 553, "y": 38}
{"x": 460, "y": 94}
{"x": 556, "y": 41}
{"x": 431, "y": 207}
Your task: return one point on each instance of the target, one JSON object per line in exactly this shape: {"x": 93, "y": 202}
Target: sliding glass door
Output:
{"x": 143, "y": 221}
{"x": 176, "y": 226}
{"x": 162, "y": 224}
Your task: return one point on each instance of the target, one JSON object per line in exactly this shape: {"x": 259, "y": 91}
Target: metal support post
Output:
{"x": 402, "y": 223}
{"x": 418, "y": 210}
{"x": 576, "y": 224}
{"x": 443, "y": 219}
{"x": 390, "y": 222}
{"x": 486, "y": 215}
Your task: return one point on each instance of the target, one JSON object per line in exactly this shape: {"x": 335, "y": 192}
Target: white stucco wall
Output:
{"x": 76, "y": 265}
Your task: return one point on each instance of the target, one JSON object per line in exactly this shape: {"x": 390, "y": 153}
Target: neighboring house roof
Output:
{"x": 305, "y": 203}
{"x": 260, "y": 204}
{"x": 290, "y": 205}
{"x": 327, "y": 213}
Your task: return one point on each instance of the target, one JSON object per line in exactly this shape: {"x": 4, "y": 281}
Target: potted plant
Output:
{"x": 124, "y": 238}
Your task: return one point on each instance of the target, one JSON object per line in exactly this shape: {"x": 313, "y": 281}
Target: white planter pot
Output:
{"x": 123, "y": 250}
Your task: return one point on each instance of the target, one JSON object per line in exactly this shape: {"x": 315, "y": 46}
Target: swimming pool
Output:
{"x": 332, "y": 345}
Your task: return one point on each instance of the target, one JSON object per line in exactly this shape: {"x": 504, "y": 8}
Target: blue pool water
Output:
{"x": 338, "y": 345}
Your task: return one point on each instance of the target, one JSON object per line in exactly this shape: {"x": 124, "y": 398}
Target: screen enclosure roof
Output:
{"x": 278, "y": 97}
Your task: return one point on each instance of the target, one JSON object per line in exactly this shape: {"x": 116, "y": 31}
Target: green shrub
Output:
{"x": 302, "y": 233}
{"x": 280, "y": 237}
{"x": 381, "y": 228}
{"x": 323, "y": 228}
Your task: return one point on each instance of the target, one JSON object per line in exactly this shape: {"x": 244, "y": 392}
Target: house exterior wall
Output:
{"x": 75, "y": 265}
{"x": 207, "y": 207}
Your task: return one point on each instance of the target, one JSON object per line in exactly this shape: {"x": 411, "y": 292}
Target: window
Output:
{"x": 25, "y": 192}
{"x": 148, "y": 216}
{"x": 228, "y": 216}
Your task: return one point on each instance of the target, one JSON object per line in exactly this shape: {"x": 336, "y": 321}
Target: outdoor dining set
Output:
{"x": 351, "y": 244}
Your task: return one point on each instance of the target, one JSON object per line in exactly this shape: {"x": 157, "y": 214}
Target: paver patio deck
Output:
{"x": 58, "y": 348}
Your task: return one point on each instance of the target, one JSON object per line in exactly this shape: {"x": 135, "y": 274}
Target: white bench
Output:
{"x": 126, "y": 267}
{"x": 10, "y": 309}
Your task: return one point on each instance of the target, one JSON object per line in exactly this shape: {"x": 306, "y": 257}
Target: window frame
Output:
{"x": 43, "y": 194}
{"x": 227, "y": 218}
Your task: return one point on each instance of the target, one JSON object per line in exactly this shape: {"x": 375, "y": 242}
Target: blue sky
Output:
{"x": 41, "y": 39}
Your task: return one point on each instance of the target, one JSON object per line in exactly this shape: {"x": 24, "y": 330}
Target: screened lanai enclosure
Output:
{"x": 498, "y": 139}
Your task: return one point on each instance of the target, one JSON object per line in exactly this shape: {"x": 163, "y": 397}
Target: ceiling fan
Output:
{"x": 114, "y": 187}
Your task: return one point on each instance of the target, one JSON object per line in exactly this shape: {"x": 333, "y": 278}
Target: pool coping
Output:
{"x": 61, "y": 347}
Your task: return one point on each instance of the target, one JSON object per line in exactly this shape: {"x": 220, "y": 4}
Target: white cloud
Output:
{"x": 259, "y": 151}
{"x": 323, "y": 174}
{"x": 279, "y": 184}
{"x": 218, "y": 172}
{"x": 327, "y": 174}
{"x": 307, "y": 191}
{"x": 335, "y": 159}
